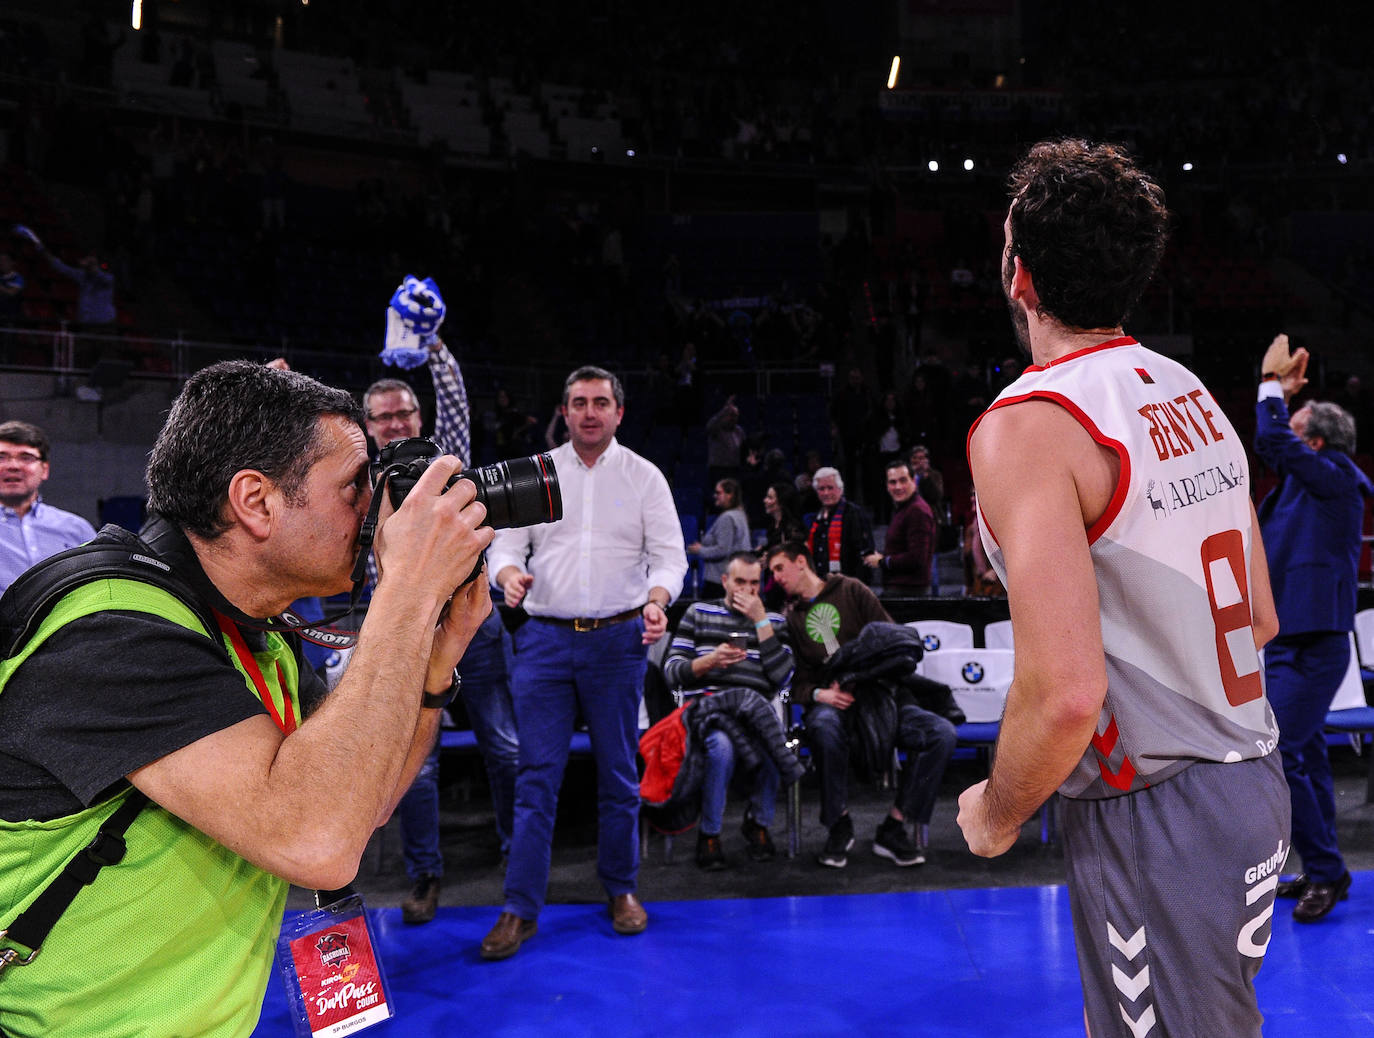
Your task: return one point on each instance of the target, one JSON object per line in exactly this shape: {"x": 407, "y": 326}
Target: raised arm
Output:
{"x": 452, "y": 416}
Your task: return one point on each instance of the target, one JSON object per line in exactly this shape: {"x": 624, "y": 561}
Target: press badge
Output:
{"x": 333, "y": 976}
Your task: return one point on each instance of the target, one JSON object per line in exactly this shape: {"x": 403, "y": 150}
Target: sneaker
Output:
{"x": 893, "y": 842}
{"x": 422, "y": 901}
{"x": 710, "y": 857}
{"x": 834, "y": 853}
{"x": 758, "y": 841}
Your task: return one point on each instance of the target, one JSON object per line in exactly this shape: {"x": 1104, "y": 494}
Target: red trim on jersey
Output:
{"x": 1104, "y": 744}
{"x": 1123, "y": 481}
{"x": 1120, "y": 340}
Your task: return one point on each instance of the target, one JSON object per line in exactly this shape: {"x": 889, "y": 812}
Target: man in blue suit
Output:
{"x": 1311, "y": 526}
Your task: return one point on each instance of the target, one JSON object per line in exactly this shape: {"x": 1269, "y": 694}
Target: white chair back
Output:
{"x": 1364, "y": 636}
{"x": 979, "y": 679}
{"x": 997, "y": 635}
{"x": 943, "y": 634}
{"x": 1351, "y": 692}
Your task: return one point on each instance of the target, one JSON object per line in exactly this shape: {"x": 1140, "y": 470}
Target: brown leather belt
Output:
{"x": 589, "y": 623}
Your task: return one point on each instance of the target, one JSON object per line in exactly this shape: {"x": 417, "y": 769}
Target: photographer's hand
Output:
{"x": 433, "y": 541}
{"x": 464, "y": 614}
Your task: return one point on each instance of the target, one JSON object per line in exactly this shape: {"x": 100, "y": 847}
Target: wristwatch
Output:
{"x": 439, "y": 700}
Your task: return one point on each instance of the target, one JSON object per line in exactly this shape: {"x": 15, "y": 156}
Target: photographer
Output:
{"x": 258, "y": 485}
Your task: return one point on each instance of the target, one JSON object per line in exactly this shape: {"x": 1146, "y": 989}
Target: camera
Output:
{"x": 518, "y": 492}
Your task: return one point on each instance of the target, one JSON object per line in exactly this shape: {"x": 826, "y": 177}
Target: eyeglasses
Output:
{"x": 394, "y": 416}
{"x": 26, "y": 458}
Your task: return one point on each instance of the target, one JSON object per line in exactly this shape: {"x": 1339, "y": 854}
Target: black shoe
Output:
{"x": 758, "y": 841}
{"x": 422, "y": 901}
{"x": 835, "y": 852}
{"x": 1292, "y": 888}
{"x": 710, "y": 857}
{"x": 894, "y": 843}
{"x": 1319, "y": 898}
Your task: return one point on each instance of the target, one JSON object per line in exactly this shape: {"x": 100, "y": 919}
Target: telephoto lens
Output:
{"x": 519, "y": 492}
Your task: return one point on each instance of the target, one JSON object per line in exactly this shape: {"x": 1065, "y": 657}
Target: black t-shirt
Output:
{"x": 107, "y": 694}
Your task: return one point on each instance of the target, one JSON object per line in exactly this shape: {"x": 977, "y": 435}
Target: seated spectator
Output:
{"x": 784, "y": 515}
{"x": 732, "y": 644}
{"x": 904, "y": 562}
{"x": 841, "y": 534}
{"x": 727, "y": 535}
{"x": 784, "y": 524}
{"x": 826, "y": 615}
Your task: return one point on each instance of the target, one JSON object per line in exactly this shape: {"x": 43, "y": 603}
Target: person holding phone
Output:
{"x": 730, "y": 644}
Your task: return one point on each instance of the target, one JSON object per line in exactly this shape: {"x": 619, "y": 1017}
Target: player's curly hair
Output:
{"x": 1091, "y": 228}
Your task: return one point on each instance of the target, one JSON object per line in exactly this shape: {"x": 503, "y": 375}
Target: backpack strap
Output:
{"x": 32, "y": 926}
{"x": 114, "y": 553}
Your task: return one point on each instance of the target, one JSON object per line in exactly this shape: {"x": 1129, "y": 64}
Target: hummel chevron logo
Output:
{"x": 1140, "y": 1028}
{"x": 1130, "y": 948}
{"x": 1104, "y": 744}
{"x": 1131, "y": 987}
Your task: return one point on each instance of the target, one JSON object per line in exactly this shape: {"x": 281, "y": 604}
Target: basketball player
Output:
{"x": 1114, "y": 496}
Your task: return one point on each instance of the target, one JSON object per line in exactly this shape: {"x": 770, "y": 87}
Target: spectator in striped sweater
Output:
{"x": 732, "y": 643}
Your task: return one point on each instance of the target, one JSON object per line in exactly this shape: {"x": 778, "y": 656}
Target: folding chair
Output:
{"x": 997, "y": 634}
{"x": 937, "y": 635}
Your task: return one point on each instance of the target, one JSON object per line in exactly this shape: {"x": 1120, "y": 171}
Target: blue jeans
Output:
{"x": 485, "y": 670}
{"x": 929, "y": 743}
{"x": 1302, "y": 674}
{"x": 720, "y": 766}
{"x": 419, "y": 815}
{"x": 557, "y": 670}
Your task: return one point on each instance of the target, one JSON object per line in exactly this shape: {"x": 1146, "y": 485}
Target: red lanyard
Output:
{"x": 249, "y": 664}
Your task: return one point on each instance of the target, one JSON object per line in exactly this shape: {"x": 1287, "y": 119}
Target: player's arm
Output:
{"x": 1264, "y": 615}
{"x": 1040, "y": 480}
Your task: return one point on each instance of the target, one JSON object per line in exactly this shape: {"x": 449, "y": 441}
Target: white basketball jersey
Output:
{"x": 1172, "y": 559}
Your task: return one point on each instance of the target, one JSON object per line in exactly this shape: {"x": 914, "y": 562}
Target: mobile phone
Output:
{"x": 739, "y": 639}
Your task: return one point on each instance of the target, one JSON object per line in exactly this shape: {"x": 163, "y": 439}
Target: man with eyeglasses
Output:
{"x": 391, "y": 412}
{"x": 31, "y": 530}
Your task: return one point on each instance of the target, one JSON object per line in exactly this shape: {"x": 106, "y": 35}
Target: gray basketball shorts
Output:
{"x": 1172, "y": 890}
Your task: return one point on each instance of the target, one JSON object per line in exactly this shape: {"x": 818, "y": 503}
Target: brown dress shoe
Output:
{"x": 628, "y": 915}
{"x": 1319, "y": 898}
{"x": 507, "y": 935}
{"x": 422, "y": 901}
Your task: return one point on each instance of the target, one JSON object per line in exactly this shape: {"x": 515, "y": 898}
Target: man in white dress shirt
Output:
{"x": 596, "y": 585}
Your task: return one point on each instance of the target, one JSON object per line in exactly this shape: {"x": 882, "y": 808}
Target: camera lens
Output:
{"x": 518, "y": 492}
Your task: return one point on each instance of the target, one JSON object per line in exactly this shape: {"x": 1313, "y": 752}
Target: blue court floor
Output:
{"x": 967, "y": 962}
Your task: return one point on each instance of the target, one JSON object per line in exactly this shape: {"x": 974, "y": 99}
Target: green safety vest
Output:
{"x": 178, "y": 938}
